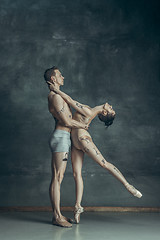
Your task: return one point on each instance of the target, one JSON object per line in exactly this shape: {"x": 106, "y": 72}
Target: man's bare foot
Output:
{"x": 61, "y": 222}
{"x": 133, "y": 190}
{"x": 70, "y": 220}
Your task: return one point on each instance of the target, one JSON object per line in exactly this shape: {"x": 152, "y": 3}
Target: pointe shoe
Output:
{"x": 61, "y": 222}
{"x": 133, "y": 191}
{"x": 77, "y": 212}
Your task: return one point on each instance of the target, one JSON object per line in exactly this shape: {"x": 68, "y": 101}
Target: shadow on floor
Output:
{"x": 28, "y": 217}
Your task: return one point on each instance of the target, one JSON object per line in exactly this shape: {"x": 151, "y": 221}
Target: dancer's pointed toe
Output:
{"x": 138, "y": 194}
{"x": 133, "y": 191}
{"x": 77, "y": 212}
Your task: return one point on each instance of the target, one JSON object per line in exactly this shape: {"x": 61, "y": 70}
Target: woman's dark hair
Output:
{"x": 108, "y": 119}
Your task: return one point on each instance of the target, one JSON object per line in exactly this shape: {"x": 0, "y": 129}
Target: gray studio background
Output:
{"x": 107, "y": 50}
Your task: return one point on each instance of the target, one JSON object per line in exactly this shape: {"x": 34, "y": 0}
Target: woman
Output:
{"x": 82, "y": 143}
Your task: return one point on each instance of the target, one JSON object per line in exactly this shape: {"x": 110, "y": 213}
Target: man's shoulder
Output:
{"x": 54, "y": 98}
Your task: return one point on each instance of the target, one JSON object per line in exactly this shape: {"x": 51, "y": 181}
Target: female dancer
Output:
{"x": 82, "y": 143}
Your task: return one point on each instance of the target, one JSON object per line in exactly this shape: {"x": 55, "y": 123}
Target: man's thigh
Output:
{"x": 59, "y": 161}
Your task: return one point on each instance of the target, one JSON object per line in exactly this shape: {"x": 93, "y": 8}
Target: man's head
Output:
{"x": 53, "y": 75}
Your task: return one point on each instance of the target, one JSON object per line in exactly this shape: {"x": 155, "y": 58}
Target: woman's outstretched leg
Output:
{"x": 91, "y": 150}
{"x": 77, "y": 157}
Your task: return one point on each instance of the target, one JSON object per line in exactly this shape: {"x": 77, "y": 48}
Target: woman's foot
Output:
{"x": 77, "y": 211}
{"x": 133, "y": 190}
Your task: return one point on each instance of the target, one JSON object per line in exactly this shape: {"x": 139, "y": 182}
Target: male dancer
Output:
{"x": 59, "y": 142}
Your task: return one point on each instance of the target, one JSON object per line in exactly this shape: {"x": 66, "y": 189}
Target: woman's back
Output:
{"x": 78, "y": 133}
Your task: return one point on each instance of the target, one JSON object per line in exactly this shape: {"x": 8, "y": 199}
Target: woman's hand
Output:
{"x": 86, "y": 127}
{"x": 52, "y": 87}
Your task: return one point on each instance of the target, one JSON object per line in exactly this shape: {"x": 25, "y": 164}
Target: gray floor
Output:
{"x": 93, "y": 225}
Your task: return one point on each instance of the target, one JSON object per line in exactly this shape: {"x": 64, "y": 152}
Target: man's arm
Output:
{"x": 81, "y": 108}
{"x": 63, "y": 117}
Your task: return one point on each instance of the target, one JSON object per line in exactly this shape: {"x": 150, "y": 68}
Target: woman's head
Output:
{"x": 107, "y": 115}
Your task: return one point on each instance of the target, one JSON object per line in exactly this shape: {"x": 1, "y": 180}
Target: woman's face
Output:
{"x": 108, "y": 109}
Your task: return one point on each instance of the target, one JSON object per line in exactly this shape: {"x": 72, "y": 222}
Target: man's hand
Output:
{"x": 52, "y": 87}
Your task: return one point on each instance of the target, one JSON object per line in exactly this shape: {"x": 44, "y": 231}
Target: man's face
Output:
{"x": 59, "y": 78}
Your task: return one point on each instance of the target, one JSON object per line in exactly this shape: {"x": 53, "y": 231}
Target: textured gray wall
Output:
{"x": 107, "y": 51}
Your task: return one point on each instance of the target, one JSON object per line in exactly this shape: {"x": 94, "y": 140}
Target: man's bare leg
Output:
{"x": 59, "y": 162}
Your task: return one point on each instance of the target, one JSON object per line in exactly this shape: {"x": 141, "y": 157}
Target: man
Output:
{"x": 59, "y": 142}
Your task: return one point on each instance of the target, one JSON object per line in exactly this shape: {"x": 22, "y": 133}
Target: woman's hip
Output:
{"x": 77, "y": 136}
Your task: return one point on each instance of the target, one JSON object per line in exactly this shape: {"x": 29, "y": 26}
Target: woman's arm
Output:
{"x": 58, "y": 105}
{"x": 81, "y": 108}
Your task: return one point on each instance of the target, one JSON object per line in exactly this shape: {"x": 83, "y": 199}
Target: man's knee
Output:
{"x": 58, "y": 176}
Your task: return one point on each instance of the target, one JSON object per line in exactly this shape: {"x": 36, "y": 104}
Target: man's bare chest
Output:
{"x": 67, "y": 109}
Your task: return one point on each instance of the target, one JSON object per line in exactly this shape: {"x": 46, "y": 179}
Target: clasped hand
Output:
{"x": 52, "y": 87}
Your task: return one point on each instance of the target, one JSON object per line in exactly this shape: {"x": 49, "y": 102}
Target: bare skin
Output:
{"x": 82, "y": 143}
{"x": 62, "y": 112}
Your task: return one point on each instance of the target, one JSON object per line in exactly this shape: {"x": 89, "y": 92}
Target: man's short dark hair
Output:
{"x": 49, "y": 73}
